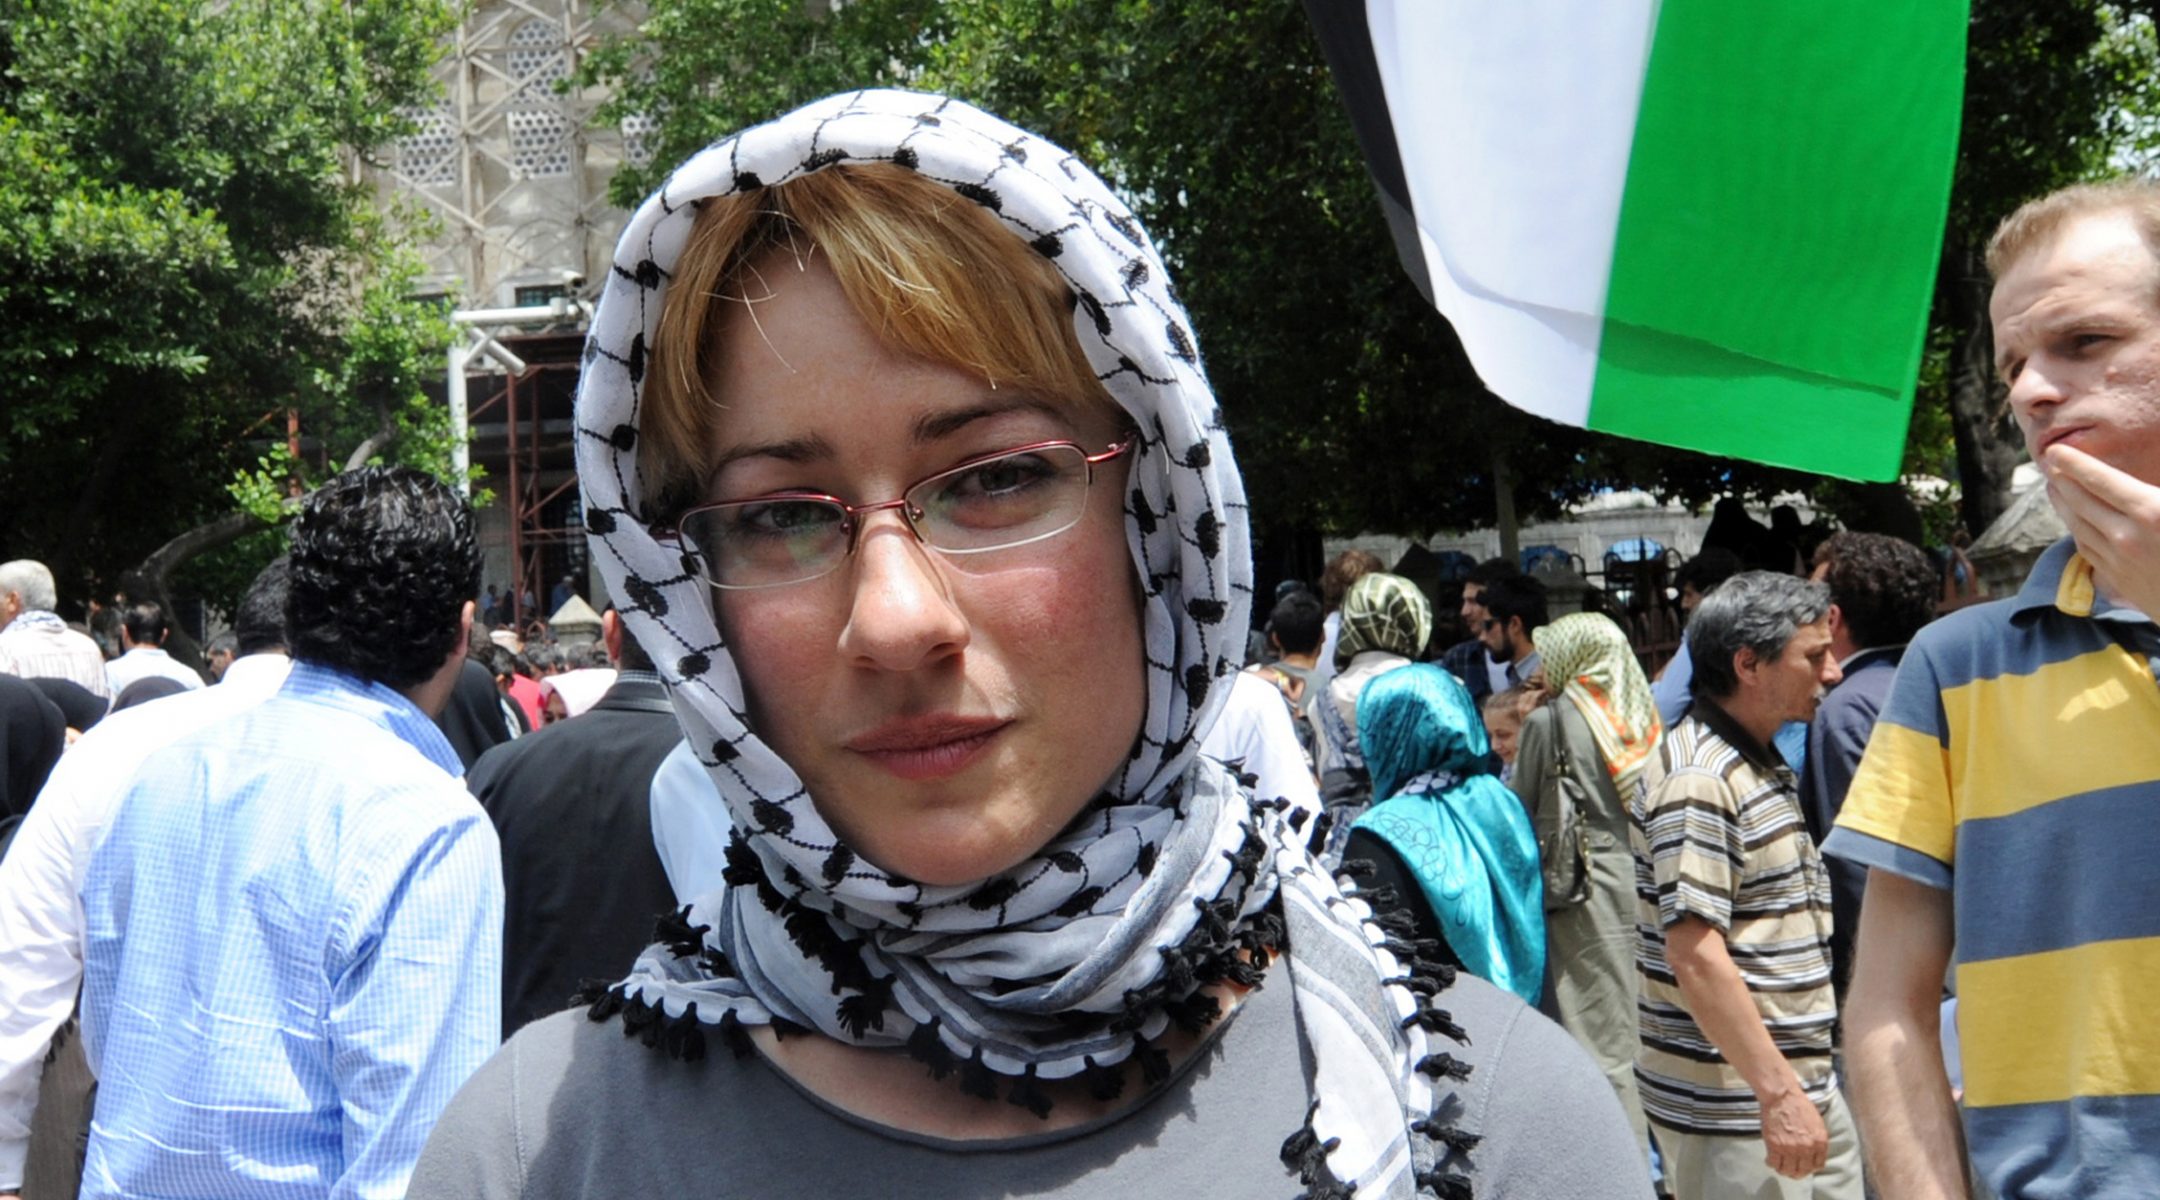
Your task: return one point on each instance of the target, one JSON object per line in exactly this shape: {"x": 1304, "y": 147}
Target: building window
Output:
{"x": 637, "y": 138}
{"x": 539, "y": 129}
{"x": 427, "y": 156}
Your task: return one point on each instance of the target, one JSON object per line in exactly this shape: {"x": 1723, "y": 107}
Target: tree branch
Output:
{"x": 376, "y": 442}
{"x": 148, "y": 578}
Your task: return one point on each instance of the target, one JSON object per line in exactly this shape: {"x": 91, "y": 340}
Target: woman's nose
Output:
{"x": 902, "y": 614}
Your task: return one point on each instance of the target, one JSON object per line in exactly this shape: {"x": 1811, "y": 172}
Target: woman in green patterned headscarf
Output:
{"x": 1386, "y": 622}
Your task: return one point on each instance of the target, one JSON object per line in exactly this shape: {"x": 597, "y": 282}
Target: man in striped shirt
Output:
{"x": 1733, "y": 933}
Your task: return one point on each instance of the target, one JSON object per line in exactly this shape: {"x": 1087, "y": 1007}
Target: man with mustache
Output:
{"x": 2005, "y": 804}
{"x": 1734, "y": 917}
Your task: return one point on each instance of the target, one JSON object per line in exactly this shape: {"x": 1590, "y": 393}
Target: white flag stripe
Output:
{"x": 1514, "y": 125}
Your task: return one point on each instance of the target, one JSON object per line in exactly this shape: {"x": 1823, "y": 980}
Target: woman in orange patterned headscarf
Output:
{"x": 1585, "y": 752}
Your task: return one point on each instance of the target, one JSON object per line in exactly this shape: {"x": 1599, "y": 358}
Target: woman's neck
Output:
{"x": 888, "y": 1087}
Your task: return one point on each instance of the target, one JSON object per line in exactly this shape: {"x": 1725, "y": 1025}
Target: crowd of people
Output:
{"x": 930, "y": 817}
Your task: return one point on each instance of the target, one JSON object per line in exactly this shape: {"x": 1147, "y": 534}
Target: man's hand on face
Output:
{"x": 2115, "y": 518}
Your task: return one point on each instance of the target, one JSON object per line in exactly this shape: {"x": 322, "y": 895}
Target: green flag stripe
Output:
{"x": 1780, "y": 228}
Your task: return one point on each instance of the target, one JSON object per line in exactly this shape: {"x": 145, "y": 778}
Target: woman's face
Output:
{"x": 1504, "y": 729}
{"x": 948, "y": 714}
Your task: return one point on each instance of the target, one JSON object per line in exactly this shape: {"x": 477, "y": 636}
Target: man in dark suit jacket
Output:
{"x": 582, "y": 883}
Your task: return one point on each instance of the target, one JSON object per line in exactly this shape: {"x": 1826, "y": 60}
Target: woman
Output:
{"x": 1600, "y": 728}
{"x": 1386, "y": 622}
{"x": 1449, "y": 829}
{"x": 572, "y": 693}
{"x": 952, "y": 574}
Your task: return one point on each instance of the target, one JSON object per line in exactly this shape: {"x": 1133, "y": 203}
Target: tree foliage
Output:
{"x": 1352, "y": 404}
{"x": 187, "y": 251}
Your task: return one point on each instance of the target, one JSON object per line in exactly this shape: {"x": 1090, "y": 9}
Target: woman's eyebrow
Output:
{"x": 934, "y": 426}
{"x": 805, "y": 449}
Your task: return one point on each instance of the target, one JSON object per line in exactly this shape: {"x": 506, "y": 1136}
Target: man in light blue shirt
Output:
{"x": 293, "y": 927}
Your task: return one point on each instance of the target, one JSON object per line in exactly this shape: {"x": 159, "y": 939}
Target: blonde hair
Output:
{"x": 936, "y": 275}
{"x": 1507, "y": 704}
{"x": 2037, "y": 222}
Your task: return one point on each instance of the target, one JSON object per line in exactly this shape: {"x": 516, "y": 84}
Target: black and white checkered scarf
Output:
{"x": 1175, "y": 879}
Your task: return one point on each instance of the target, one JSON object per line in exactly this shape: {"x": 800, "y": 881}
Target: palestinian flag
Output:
{"x": 1706, "y": 223}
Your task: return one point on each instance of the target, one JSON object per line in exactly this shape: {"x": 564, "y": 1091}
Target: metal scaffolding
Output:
{"x": 512, "y": 160}
{"x": 523, "y": 420}
{"x": 512, "y": 164}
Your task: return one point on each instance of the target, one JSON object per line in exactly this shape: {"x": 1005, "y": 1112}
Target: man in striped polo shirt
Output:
{"x": 1733, "y": 929}
{"x": 2007, "y": 804}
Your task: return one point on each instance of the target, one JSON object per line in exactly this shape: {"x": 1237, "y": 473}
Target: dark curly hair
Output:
{"x": 383, "y": 560}
{"x": 259, "y": 623}
{"x": 1885, "y": 588}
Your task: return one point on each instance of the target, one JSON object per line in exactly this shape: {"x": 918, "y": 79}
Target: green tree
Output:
{"x": 187, "y": 253}
{"x": 1220, "y": 125}
{"x": 1352, "y": 404}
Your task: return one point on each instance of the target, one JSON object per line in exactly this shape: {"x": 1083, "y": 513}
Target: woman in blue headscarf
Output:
{"x": 1451, "y": 826}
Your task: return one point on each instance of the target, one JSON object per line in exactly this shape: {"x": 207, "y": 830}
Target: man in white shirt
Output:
{"x": 34, "y": 642}
{"x": 143, "y": 631}
{"x": 41, "y": 913}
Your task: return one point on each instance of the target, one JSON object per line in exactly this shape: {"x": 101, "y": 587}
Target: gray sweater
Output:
{"x": 573, "y": 1109}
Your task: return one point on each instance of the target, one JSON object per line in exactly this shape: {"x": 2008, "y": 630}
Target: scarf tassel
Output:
{"x": 733, "y": 1033}
{"x": 926, "y": 1047}
{"x": 1433, "y": 1019}
{"x": 1028, "y": 1094}
{"x": 976, "y": 1079}
{"x": 1154, "y": 1064}
{"x": 808, "y": 929}
{"x": 1195, "y": 1012}
{"x": 1104, "y": 1083}
{"x": 1411, "y": 948}
{"x": 684, "y": 1037}
{"x": 682, "y": 938}
{"x": 1304, "y": 1153}
{"x": 1444, "y": 1066}
{"x": 601, "y": 999}
{"x": 1457, "y": 1141}
{"x": 865, "y": 1010}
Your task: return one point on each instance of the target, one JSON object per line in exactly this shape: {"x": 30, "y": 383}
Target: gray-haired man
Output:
{"x": 1734, "y": 926}
{"x": 34, "y": 641}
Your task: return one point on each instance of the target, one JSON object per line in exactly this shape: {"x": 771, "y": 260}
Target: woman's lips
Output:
{"x": 918, "y": 748}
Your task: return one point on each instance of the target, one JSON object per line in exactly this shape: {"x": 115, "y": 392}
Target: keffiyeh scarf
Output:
{"x": 1072, "y": 963}
{"x": 1383, "y": 612}
{"x": 1588, "y": 660}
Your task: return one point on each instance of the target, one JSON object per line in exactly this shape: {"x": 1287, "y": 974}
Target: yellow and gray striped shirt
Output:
{"x": 1718, "y": 834}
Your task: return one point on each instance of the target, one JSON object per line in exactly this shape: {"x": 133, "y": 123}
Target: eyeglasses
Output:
{"x": 993, "y": 502}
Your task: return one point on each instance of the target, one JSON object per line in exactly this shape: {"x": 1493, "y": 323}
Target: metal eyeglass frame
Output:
{"x": 909, "y": 514}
